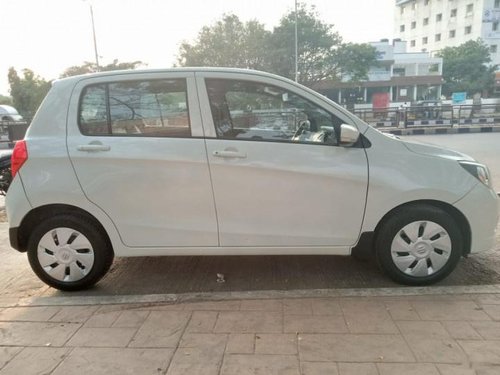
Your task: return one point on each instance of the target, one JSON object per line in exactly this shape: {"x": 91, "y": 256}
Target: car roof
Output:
{"x": 8, "y": 110}
{"x": 170, "y": 70}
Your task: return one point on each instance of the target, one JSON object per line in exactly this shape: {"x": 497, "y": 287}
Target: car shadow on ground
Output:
{"x": 165, "y": 275}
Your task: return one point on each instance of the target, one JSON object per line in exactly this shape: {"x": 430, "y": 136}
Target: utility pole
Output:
{"x": 95, "y": 40}
{"x": 296, "y": 47}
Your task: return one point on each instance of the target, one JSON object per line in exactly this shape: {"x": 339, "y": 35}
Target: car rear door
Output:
{"x": 136, "y": 144}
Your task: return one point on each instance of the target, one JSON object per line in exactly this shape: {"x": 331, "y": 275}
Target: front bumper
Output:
{"x": 481, "y": 209}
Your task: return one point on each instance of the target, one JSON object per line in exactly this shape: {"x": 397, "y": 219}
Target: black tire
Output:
{"x": 102, "y": 251}
{"x": 411, "y": 215}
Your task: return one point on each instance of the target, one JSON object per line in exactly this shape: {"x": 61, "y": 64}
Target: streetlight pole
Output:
{"x": 95, "y": 40}
{"x": 296, "y": 47}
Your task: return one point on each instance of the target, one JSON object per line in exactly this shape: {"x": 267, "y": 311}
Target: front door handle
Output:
{"x": 94, "y": 147}
{"x": 228, "y": 154}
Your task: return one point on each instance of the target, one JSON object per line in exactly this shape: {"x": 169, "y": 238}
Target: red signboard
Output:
{"x": 380, "y": 100}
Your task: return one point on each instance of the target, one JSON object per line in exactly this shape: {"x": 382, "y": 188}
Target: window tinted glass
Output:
{"x": 93, "y": 112}
{"x": 254, "y": 111}
{"x": 139, "y": 108}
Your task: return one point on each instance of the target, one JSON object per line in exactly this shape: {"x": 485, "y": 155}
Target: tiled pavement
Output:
{"x": 435, "y": 335}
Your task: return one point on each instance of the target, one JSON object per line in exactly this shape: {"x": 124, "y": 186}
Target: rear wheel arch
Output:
{"x": 35, "y": 216}
{"x": 69, "y": 252}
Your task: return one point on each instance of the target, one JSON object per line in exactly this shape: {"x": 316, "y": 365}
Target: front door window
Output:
{"x": 245, "y": 110}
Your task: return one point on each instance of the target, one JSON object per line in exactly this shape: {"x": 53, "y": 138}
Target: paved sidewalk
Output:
{"x": 423, "y": 334}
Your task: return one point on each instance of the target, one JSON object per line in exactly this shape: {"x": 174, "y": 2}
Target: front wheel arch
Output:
{"x": 448, "y": 208}
{"x": 419, "y": 245}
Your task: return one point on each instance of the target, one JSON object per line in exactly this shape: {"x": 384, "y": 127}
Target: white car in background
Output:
{"x": 154, "y": 163}
{"x": 9, "y": 114}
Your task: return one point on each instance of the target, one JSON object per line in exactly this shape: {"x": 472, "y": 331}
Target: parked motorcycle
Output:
{"x": 5, "y": 172}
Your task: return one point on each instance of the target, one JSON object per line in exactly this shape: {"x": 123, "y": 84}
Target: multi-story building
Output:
{"x": 399, "y": 76}
{"x": 430, "y": 25}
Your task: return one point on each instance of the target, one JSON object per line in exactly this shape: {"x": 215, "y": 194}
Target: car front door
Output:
{"x": 136, "y": 145}
{"x": 279, "y": 176}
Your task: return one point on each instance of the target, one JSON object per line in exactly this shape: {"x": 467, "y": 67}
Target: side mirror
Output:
{"x": 349, "y": 135}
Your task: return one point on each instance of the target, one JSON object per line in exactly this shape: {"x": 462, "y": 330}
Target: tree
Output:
{"x": 27, "y": 92}
{"x": 90, "y": 67}
{"x": 316, "y": 47}
{"x": 321, "y": 52}
{"x": 86, "y": 67}
{"x": 467, "y": 68}
{"x": 5, "y": 100}
{"x": 229, "y": 42}
{"x": 354, "y": 60}
{"x": 322, "y": 55}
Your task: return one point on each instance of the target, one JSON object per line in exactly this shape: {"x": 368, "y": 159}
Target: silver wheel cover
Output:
{"x": 65, "y": 254}
{"x": 421, "y": 248}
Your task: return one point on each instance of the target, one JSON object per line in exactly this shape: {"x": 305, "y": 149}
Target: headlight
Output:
{"x": 477, "y": 170}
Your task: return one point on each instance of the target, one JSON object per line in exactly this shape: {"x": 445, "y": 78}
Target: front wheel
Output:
{"x": 419, "y": 245}
{"x": 69, "y": 253}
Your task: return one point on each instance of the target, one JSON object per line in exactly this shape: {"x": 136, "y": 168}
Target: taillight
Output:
{"x": 19, "y": 156}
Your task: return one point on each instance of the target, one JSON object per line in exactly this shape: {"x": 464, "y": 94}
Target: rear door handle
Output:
{"x": 230, "y": 154}
{"x": 93, "y": 148}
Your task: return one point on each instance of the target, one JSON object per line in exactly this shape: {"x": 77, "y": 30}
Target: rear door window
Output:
{"x": 156, "y": 108}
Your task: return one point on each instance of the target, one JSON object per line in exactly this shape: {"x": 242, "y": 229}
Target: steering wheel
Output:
{"x": 302, "y": 127}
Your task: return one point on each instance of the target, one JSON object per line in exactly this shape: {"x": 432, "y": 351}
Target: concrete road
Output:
{"x": 198, "y": 274}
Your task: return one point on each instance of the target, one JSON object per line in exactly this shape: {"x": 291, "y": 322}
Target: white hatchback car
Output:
{"x": 224, "y": 162}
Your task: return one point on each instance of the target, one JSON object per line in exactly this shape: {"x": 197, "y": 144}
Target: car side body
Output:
{"x": 251, "y": 192}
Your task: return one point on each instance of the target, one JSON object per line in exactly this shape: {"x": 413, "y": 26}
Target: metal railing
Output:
{"x": 11, "y": 131}
{"x": 438, "y": 115}
{"x": 477, "y": 114}
{"x": 446, "y": 115}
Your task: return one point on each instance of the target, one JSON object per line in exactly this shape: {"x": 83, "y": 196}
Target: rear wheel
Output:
{"x": 69, "y": 253}
{"x": 419, "y": 245}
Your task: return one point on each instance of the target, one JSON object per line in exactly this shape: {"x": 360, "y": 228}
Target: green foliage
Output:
{"x": 467, "y": 68}
{"x": 354, "y": 60}
{"x": 27, "y": 92}
{"x": 5, "y": 100}
{"x": 229, "y": 42}
{"x": 90, "y": 67}
{"x": 321, "y": 53}
{"x": 86, "y": 67}
{"x": 317, "y": 43}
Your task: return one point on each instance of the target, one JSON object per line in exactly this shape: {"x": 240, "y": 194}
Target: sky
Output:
{"x": 48, "y": 36}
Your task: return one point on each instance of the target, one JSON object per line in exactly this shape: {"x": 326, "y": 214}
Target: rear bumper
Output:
{"x": 17, "y": 207}
{"x": 14, "y": 239}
